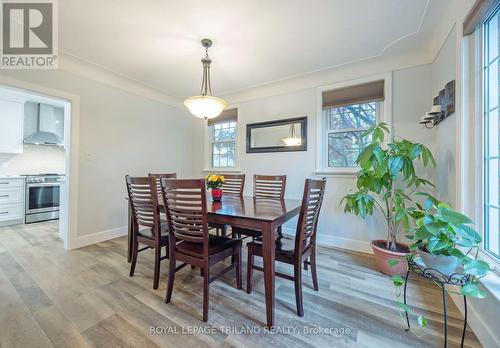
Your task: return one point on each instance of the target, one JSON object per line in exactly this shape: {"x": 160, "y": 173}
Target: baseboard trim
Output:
{"x": 99, "y": 237}
{"x": 336, "y": 242}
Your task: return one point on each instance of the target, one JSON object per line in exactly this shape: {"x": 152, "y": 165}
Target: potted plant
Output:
{"x": 445, "y": 242}
{"x": 441, "y": 235}
{"x": 214, "y": 183}
{"x": 385, "y": 181}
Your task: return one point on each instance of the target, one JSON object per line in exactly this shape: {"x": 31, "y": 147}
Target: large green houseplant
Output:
{"x": 385, "y": 181}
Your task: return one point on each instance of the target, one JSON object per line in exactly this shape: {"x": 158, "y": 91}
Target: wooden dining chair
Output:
{"x": 158, "y": 178}
{"x": 264, "y": 187}
{"x": 233, "y": 186}
{"x": 147, "y": 227}
{"x": 296, "y": 252}
{"x": 190, "y": 242}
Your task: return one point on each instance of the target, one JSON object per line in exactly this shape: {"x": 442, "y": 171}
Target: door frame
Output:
{"x": 68, "y": 220}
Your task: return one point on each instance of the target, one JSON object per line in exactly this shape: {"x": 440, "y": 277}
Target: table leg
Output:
{"x": 445, "y": 317}
{"x": 465, "y": 321}
{"x": 130, "y": 241}
{"x": 404, "y": 298}
{"x": 268, "y": 253}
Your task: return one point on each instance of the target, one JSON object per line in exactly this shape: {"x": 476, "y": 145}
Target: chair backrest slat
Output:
{"x": 314, "y": 191}
{"x": 158, "y": 178}
{"x": 267, "y": 186}
{"x": 234, "y": 184}
{"x": 185, "y": 202}
{"x": 143, "y": 199}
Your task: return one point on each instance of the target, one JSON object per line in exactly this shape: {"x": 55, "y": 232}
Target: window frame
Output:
{"x": 208, "y": 136}
{"x": 212, "y": 142}
{"x": 385, "y": 115}
{"x": 484, "y": 157}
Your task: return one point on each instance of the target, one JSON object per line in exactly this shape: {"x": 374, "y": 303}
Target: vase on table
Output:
{"x": 216, "y": 194}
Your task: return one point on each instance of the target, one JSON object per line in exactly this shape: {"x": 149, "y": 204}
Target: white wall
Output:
{"x": 443, "y": 70}
{"x": 34, "y": 159}
{"x": 411, "y": 98}
{"x": 120, "y": 133}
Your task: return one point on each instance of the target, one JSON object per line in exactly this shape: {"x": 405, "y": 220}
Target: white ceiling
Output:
{"x": 156, "y": 42}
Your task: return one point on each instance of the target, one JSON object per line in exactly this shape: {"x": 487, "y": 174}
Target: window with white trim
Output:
{"x": 348, "y": 110}
{"x": 223, "y": 144}
{"x": 491, "y": 130}
{"x": 344, "y": 129}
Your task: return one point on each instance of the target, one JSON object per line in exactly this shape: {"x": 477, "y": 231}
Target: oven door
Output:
{"x": 42, "y": 197}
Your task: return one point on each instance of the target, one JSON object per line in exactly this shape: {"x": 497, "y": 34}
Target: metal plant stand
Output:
{"x": 415, "y": 265}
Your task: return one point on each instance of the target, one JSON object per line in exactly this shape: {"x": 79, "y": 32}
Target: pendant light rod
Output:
{"x": 206, "y": 88}
{"x": 205, "y": 105}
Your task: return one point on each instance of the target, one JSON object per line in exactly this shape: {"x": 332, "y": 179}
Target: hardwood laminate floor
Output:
{"x": 50, "y": 297}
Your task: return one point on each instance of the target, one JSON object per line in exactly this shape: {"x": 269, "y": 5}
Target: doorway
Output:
{"x": 38, "y": 153}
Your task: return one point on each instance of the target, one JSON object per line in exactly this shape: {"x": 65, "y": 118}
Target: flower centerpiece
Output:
{"x": 214, "y": 183}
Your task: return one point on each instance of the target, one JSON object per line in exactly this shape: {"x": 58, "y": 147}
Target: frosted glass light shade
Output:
{"x": 205, "y": 106}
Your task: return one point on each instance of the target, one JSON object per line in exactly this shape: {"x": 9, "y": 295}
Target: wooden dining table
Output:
{"x": 262, "y": 214}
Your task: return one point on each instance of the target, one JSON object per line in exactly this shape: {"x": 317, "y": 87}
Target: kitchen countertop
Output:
{"x": 11, "y": 177}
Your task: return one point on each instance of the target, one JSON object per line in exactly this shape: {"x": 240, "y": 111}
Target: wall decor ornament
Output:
{"x": 443, "y": 106}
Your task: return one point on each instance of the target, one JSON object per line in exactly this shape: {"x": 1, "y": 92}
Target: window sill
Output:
{"x": 222, "y": 170}
{"x": 337, "y": 172}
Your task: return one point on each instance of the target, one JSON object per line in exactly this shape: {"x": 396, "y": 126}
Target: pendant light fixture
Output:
{"x": 205, "y": 105}
{"x": 292, "y": 139}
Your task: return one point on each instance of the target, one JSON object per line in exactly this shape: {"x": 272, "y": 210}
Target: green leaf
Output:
{"x": 476, "y": 268}
{"x": 384, "y": 126}
{"x": 422, "y": 321}
{"x": 397, "y": 280}
{"x": 378, "y": 134}
{"x": 469, "y": 234}
{"x": 421, "y": 233}
{"x": 453, "y": 217}
{"x": 395, "y": 164}
{"x": 472, "y": 290}
{"x": 403, "y": 307}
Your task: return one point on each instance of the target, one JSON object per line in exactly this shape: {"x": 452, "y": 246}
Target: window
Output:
{"x": 222, "y": 134}
{"x": 345, "y": 127}
{"x": 491, "y": 137}
{"x": 348, "y": 110}
{"x": 223, "y": 144}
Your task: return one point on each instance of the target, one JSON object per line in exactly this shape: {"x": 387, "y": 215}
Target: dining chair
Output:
{"x": 264, "y": 187}
{"x": 158, "y": 178}
{"x": 296, "y": 252}
{"x": 233, "y": 186}
{"x": 190, "y": 242}
{"x": 147, "y": 227}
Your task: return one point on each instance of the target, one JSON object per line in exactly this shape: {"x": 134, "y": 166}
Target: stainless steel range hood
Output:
{"x": 44, "y": 134}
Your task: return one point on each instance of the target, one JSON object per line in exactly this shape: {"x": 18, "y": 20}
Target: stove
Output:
{"x": 42, "y": 197}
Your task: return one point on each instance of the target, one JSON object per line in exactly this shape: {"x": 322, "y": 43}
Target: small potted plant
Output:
{"x": 442, "y": 235}
{"x": 445, "y": 242}
{"x": 214, "y": 183}
{"x": 385, "y": 181}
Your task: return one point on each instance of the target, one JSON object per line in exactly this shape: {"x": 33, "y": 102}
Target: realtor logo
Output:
{"x": 29, "y": 34}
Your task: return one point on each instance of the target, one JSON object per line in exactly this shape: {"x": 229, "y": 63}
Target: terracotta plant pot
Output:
{"x": 216, "y": 195}
{"x": 442, "y": 263}
{"x": 383, "y": 255}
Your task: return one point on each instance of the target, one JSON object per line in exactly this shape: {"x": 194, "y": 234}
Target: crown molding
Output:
{"x": 350, "y": 71}
{"x": 78, "y": 66}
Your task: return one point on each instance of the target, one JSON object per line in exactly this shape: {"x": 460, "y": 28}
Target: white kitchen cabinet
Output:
{"x": 11, "y": 126}
{"x": 11, "y": 201}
